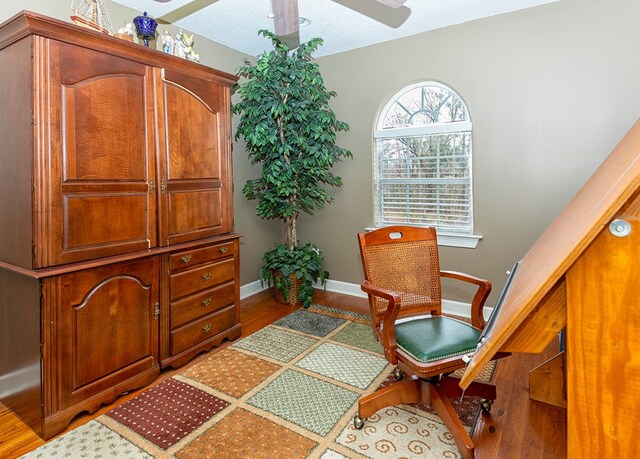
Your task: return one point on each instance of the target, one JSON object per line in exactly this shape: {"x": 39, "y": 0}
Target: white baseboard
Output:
{"x": 251, "y": 288}
{"x": 344, "y": 288}
{"x": 456, "y": 308}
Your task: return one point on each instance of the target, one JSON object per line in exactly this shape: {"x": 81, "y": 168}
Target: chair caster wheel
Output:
{"x": 398, "y": 374}
{"x": 485, "y": 405}
{"x": 358, "y": 422}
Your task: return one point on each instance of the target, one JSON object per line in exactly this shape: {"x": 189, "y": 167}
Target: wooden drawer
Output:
{"x": 205, "y": 328}
{"x": 186, "y": 259}
{"x": 202, "y": 303}
{"x": 197, "y": 279}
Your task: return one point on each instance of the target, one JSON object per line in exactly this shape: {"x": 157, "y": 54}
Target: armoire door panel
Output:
{"x": 106, "y": 327}
{"x": 195, "y": 161}
{"x": 102, "y": 146}
{"x": 208, "y": 91}
{"x": 97, "y": 144}
{"x": 193, "y": 213}
{"x": 95, "y": 222}
{"x": 192, "y": 136}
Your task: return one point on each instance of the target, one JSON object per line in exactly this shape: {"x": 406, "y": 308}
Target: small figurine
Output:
{"x": 126, "y": 32}
{"x": 183, "y": 47}
{"x": 178, "y": 46}
{"x": 168, "y": 42}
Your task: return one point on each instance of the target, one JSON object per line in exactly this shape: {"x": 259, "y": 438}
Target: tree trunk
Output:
{"x": 290, "y": 234}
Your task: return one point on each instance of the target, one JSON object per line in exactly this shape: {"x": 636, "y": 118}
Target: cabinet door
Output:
{"x": 101, "y": 334}
{"x": 97, "y": 160}
{"x": 195, "y": 157}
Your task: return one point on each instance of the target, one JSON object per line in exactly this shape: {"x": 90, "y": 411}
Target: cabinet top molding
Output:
{"x": 28, "y": 23}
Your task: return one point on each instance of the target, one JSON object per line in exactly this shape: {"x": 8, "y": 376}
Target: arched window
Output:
{"x": 423, "y": 160}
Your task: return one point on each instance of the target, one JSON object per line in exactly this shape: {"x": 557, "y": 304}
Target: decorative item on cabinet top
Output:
{"x": 91, "y": 14}
{"x": 146, "y": 27}
{"x": 181, "y": 45}
{"x": 126, "y": 32}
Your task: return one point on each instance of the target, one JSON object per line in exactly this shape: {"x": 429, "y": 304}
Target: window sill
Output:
{"x": 467, "y": 241}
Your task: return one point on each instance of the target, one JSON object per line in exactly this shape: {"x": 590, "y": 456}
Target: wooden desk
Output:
{"x": 584, "y": 274}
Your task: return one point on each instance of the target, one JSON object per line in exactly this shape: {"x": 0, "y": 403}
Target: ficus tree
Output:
{"x": 290, "y": 129}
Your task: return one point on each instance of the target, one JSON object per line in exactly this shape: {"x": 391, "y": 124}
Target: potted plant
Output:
{"x": 289, "y": 129}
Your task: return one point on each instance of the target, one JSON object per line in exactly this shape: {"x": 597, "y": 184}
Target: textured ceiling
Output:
{"x": 342, "y": 24}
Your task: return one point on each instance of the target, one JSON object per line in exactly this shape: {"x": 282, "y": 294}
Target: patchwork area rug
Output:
{"x": 289, "y": 390}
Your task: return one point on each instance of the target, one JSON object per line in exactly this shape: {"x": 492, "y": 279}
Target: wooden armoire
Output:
{"x": 117, "y": 251}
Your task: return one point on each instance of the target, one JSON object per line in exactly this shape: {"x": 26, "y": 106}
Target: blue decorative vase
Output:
{"x": 146, "y": 27}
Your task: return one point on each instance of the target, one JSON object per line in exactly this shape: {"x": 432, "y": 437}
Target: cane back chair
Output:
{"x": 403, "y": 282}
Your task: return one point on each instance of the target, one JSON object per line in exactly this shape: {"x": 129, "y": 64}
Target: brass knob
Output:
{"x": 206, "y": 328}
{"x": 224, "y": 249}
{"x": 186, "y": 259}
{"x": 206, "y": 277}
{"x": 206, "y": 302}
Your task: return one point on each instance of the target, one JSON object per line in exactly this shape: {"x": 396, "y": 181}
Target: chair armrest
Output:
{"x": 477, "y": 304}
{"x": 388, "y": 332}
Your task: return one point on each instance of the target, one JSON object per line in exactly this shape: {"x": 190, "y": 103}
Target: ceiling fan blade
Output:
{"x": 183, "y": 11}
{"x": 286, "y": 18}
{"x": 391, "y": 3}
{"x": 378, "y": 11}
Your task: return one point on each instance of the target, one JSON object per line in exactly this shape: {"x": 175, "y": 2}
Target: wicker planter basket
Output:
{"x": 294, "y": 296}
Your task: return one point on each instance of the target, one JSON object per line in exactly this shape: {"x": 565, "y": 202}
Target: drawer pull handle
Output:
{"x": 186, "y": 259}
{"x": 206, "y": 328}
{"x": 206, "y": 302}
{"x": 206, "y": 277}
{"x": 224, "y": 249}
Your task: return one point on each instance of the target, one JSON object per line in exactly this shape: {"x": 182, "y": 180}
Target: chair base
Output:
{"x": 433, "y": 391}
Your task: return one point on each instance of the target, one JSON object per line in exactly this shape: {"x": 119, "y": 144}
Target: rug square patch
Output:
{"x": 308, "y": 322}
{"x": 311, "y": 403}
{"x": 395, "y": 432}
{"x": 350, "y": 366}
{"x": 232, "y": 372}
{"x": 242, "y": 434}
{"x": 339, "y": 312}
{"x": 168, "y": 412}
{"x": 358, "y": 335}
{"x": 276, "y": 343}
{"x": 90, "y": 440}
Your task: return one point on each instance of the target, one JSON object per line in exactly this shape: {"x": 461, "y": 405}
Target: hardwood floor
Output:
{"x": 517, "y": 427}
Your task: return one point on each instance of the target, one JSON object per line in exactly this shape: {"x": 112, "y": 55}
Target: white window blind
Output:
{"x": 423, "y": 160}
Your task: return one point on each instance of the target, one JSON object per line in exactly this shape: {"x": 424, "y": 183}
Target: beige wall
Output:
{"x": 258, "y": 236}
{"x": 550, "y": 90}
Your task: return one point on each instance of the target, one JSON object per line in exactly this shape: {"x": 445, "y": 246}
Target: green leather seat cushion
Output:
{"x": 433, "y": 338}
